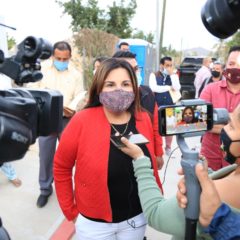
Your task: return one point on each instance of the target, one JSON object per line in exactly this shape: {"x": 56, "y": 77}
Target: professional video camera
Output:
{"x": 25, "y": 67}
{"x": 221, "y": 17}
{"x": 27, "y": 113}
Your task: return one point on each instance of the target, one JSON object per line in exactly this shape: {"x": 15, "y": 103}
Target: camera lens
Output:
{"x": 221, "y": 17}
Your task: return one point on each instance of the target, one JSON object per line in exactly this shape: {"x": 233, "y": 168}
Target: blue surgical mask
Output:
{"x": 165, "y": 71}
{"x": 60, "y": 66}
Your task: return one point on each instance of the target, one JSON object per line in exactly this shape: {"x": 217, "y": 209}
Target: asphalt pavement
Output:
{"x": 25, "y": 221}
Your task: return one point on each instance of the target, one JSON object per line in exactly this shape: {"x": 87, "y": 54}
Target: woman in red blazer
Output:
{"x": 103, "y": 196}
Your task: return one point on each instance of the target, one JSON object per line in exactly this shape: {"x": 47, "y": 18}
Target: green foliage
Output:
{"x": 168, "y": 51}
{"x": 89, "y": 16}
{"x": 11, "y": 42}
{"x": 119, "y": 18}
{"x": 115, "y": 20}
{"x": 235, "y": 41}
{"x": 140, "y": 34}
{"x": 175, "y": 55}
{"x": 92, "y": 43}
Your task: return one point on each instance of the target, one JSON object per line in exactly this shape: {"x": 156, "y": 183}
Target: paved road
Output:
{"x": 24, "y": 221}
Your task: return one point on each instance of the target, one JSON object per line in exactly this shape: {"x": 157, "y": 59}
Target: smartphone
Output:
{"x": 180, "y": 119}
{"x": 133, "y": 138}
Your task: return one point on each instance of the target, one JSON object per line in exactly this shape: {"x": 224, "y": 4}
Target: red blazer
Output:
{"x": 85, "y": 144}
{"x": 158, "y": 150}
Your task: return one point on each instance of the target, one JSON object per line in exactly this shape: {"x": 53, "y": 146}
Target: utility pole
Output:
{"x": 162, "y": 28}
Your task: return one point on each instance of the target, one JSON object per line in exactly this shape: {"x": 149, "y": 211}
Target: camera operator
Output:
{"x": 59, "y": 75}
{"x": 222, "y": 94}
{"x": 222, "y": 222}
{"x": 163, "y": 213}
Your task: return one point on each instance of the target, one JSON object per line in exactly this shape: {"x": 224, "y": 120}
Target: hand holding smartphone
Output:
{"x": 133, "y": 138}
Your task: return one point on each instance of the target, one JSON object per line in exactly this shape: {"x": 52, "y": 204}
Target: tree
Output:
{"x": 116, "y": 20}
{"x": 11, "y": 42}
{"x": 92, "y": 43}
{"x": 235, "y": 40}
{"x": 119, "y": 18}
{"x": 140, "y": 34}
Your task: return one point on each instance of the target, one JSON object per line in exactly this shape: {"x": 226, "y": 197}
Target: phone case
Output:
{"x": 133, "y": 138}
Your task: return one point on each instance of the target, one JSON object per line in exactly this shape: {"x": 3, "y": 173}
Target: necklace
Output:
{"x": 117, "y": 133}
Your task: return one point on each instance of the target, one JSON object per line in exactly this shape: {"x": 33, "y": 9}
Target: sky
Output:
{"x": 183, "y": 26}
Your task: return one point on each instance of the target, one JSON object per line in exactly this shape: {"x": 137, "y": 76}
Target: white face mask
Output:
{"x": 94, "y": 71}
{"x": 165, "y": 71}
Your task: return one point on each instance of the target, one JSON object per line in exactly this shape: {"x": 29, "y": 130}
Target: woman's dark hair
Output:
{"x": 191, "y": 109}
{"x": 99, "y": 78}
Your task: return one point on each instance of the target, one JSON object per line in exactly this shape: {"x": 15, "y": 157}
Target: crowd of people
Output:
{"x": 113, "y": 193}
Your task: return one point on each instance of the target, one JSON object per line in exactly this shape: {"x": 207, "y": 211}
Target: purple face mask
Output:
{"x": 117, "y": 100}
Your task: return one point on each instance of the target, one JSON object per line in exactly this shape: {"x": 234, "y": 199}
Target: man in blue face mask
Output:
{"x": 58, "y": 74}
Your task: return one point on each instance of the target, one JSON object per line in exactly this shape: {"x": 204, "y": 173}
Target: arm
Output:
{"x": 161, "y": 213}
{"x": 222, "y": 223}
{"x": 64, "y": 162}
{"x": 78, "y": 93}
{"x": 156, "y": 88}
{"x": 175, "y": 82}
{"x": 225, "y": 224}
{"x": 157, "y": 137}
{"x": 158, "y": 149}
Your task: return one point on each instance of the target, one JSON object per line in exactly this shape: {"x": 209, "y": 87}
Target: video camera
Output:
{"x": 26, "y": 114}
{"x": 221, "y": 17}
{"x": 25, "y": 66}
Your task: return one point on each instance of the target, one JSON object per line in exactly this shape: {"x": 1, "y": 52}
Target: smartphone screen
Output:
{"x": 133, "y": 138}
{"x": 178, "y": 119}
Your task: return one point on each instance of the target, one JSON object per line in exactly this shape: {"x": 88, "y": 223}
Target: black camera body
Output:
{"x": 26, "y": 114}
{"x": 221, "y": 17}
{"x": 25, "y": 66}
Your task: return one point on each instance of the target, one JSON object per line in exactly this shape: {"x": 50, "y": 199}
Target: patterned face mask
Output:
{"x": 232, "y": 75}
{"x": 117, "y": 100}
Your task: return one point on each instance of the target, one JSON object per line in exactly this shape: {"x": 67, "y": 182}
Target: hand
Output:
{"x": 209, "y": 198}
{"x": 131, "y": 149}
{"x": 68, "y": 112}
{"x": 181, "y": 193}
{"x": 160, "y": 162}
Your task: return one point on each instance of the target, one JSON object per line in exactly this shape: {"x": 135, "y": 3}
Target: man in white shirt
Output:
{"x": 161, "y": 83}
{"x": 59, "y": 75}
{"x": 203, "y": 73}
